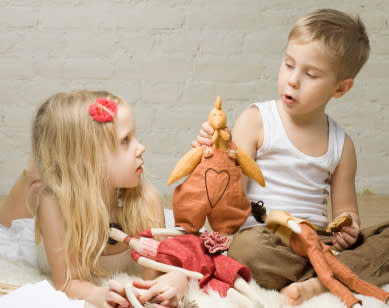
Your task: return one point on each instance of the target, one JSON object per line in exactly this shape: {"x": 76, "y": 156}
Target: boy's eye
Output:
{"x": 311, "y": 75}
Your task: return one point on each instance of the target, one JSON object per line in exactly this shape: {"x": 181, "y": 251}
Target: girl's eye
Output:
{"x": 125, "y": 140}
{"x": 288, "y": 65}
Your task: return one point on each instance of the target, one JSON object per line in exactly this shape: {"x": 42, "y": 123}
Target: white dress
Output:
{"x": 18, "y": 243}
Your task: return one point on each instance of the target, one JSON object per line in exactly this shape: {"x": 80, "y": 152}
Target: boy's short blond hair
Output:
{"x": 343, "y": 36}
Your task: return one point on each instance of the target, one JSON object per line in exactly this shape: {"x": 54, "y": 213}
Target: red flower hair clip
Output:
{"x": 103, "y": 110}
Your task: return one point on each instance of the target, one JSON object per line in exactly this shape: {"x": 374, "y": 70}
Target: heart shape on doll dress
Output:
{"x": 216, "y": 183}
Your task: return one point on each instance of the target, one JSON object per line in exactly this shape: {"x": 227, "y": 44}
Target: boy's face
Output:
{"x": 307, "y": 80}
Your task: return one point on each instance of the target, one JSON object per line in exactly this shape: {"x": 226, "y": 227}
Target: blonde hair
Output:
{"x": 67, "y": 148}
{"x": 344, "y": 37}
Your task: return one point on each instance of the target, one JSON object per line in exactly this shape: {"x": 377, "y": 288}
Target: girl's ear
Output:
{"x": 343, "y": 87}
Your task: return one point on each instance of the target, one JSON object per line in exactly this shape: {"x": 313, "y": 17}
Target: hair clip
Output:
{"x": 103, "y": 110}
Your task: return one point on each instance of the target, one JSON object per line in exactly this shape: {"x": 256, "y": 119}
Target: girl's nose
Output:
{"x": 141, "y": 149}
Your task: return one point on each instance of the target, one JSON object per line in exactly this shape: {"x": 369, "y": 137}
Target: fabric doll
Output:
{"x": 214, "y": 189}
{"x": 330, "y": 270}
{"x": 187, "y": 253}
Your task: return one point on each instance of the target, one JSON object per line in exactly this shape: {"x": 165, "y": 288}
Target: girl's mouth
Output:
{"x": 139, "y": 169}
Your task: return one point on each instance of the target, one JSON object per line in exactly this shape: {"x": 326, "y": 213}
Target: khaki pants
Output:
{"x": 274, "y": 265}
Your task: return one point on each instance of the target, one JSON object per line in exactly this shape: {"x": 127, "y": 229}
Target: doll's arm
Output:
{"x": 142, "y": 247}
{"x": 186, "y": 164}
{"x": 250, "y": 167}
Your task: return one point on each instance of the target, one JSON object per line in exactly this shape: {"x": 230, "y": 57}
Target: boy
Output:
{"x": 302, "y": 151}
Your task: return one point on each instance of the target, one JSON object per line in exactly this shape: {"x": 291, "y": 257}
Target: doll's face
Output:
{"x": 217, "y": 118}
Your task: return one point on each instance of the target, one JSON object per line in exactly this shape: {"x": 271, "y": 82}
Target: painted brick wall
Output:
{"x": 170, "y": 59}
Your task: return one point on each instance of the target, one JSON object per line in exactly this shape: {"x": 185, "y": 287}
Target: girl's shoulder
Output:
{"x": 49, "y": 207}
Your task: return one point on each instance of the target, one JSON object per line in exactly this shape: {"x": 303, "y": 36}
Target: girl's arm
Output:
{"x": 53, "y": 235}
{"x": 343, "y": 196}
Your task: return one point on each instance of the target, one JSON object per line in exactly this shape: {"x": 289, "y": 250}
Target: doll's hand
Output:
{"x": 115, "y": 295}
{"x": 167, "y": 289}
{"x": 347, "y": 236}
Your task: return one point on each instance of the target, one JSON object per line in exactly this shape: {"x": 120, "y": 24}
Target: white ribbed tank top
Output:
{"x": 295, "y": 182}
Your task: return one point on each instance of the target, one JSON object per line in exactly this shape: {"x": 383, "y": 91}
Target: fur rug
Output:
{"x": 20, "y": 273}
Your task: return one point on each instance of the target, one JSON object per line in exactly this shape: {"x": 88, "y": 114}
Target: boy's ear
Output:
{"x": 343, "y": 87}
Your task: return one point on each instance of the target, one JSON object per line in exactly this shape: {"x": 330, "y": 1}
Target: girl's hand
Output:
{"x": 347, "y": 236}
{"x": 167, "y": 289}
{"x": 115, "y": 296}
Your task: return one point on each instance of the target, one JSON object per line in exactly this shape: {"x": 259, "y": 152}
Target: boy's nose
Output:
{"x": 293, "y": 81}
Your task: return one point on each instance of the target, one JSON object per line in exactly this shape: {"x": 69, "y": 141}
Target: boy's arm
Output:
{"x": 343, "y": 196}
{"x": 247, "y": 132}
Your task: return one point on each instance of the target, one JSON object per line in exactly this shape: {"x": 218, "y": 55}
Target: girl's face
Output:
{"x": 125, "y": 166}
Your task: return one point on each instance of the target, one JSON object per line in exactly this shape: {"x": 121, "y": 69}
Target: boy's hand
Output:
{"x": 167, "y": 289}
{"x": 205, "y": 136}
{"x": 347, "y": 236}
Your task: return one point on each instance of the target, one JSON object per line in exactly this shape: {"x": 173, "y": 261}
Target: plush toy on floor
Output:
{"x": 214, "y": 189}
{"x": 187, "y": 253}
{"x": 333, "y": 274}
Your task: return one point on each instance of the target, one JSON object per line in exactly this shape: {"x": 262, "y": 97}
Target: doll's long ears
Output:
{"x": 250, "y": 167}
{"x": 274, "y": 218}
{"x": 186, "y": 164}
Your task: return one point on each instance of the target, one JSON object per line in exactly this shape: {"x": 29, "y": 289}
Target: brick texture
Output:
{"x": 170, "y": 59}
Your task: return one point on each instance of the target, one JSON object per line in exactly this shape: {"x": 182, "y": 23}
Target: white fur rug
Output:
{"x": 20, "y": 273}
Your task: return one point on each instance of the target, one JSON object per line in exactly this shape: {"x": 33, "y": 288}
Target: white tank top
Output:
{"x": 295, "y": 182}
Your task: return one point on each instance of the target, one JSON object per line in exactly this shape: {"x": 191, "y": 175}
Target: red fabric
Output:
{"x": 187, "y": 251}
{"x": 214, "y": 242}
{"x": 146, "y": 233}
{"x": 327, "y": 267}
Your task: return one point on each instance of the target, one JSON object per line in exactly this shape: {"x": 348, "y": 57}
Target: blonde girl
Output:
{"x": 90, "y": 167}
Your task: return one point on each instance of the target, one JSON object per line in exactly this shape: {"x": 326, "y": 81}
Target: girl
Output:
{"x": 90, "y": 167}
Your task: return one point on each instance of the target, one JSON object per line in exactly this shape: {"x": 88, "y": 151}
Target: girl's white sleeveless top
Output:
{"x": 295, "y": 182}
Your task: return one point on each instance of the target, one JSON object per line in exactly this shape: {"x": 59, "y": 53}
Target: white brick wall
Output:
{"x": 170, "y": 59}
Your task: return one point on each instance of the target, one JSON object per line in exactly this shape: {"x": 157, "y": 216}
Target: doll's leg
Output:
{"x": 239, "y": 299}
{"x": 323, "y": 270}
{"x": 344, "y": 274}
{"x": 20, "y": 200}
{"x": 244, "y": 288}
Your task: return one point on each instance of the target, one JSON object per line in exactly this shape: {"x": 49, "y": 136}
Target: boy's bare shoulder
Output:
{"x": 250, "y": 117}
